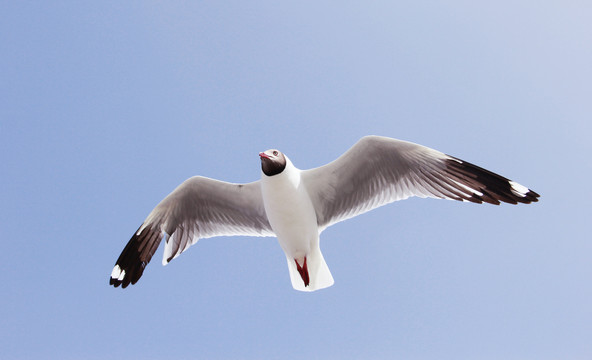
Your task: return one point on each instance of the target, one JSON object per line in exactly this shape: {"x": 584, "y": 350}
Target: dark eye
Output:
{"x": 275, "y": 153}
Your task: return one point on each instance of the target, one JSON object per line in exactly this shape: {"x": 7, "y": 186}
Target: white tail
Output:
{"x": 318, "y": 271}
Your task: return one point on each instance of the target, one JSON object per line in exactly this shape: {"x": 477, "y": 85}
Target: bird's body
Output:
{"x": 293, "y": 219}
{"x": 297, "y": 205}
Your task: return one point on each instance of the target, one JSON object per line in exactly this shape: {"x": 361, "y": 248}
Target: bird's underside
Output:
{"x": 374, "y": 172}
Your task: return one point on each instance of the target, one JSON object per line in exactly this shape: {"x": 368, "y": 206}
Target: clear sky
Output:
{"x": 106, "y": 106}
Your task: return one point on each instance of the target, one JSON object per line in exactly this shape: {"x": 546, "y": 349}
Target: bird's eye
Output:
{"x": 275, "y": 153}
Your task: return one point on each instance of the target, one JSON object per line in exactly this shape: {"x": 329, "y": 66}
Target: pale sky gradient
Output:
{"x": 105, "y": 107}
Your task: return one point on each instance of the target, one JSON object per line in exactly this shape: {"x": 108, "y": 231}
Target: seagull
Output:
{"x": 296, "y": 205}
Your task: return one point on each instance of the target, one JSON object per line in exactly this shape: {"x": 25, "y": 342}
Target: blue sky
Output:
{"x": 106, "y": 107}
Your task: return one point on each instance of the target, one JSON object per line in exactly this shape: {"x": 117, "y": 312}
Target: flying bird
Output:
{"x": 297, "y": 205}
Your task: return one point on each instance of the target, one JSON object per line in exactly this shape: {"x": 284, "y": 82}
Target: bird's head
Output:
{"x": 273, "y": 162}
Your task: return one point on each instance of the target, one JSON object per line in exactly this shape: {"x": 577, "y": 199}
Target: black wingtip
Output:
{"x": 491, "y": 187}
{"x": 135, "y": 256}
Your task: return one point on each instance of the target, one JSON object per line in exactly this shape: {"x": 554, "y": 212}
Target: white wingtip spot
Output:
{"x": 470, "y": 190}
{"x": 453, "y": 158}
{"x": 519, "y": 190}
{"x": 117, "y": 273}
{"x": 141, "y": 229}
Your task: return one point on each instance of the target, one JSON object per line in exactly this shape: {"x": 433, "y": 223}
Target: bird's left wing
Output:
{"x": 379, "y": 170}
{"x": 198, "y": 208}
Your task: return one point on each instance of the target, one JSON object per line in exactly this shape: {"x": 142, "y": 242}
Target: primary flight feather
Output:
{"x": 297, "y": 205}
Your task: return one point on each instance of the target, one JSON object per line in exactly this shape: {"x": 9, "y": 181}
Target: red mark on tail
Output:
{"x": 303, "y": 270}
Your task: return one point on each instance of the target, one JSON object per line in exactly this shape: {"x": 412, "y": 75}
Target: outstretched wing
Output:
{"x": 379, "y": 170}
{"x": 198, "y": 208}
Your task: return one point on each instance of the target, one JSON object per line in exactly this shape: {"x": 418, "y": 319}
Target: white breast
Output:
{"x": 290, "y": 212}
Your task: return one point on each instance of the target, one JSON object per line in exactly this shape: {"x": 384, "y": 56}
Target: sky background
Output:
{"x": 105, "y": 107}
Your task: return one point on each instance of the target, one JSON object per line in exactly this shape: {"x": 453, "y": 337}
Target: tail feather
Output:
{"x": 319, "y": 276}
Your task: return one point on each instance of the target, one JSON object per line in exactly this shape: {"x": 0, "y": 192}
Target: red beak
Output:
{"x": 263, "y": 155}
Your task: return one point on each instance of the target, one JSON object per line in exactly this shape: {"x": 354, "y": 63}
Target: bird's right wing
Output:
{"x": 198, "y": 208}
{"x": 379, "y": 170}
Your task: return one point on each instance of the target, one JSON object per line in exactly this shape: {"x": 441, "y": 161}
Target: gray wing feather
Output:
{"x": 198, "y": 208}
{"x": 379, "y": 170}
{"x": 203, "y": 208}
